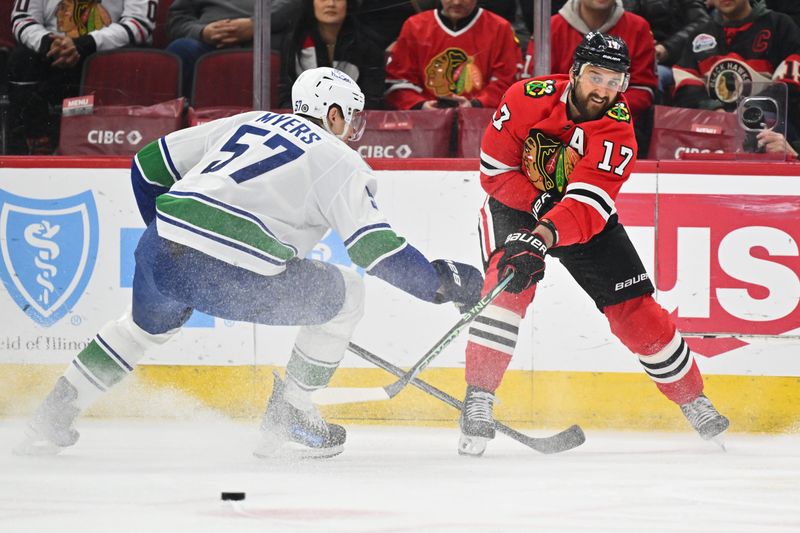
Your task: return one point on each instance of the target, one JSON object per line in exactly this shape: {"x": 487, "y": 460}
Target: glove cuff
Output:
{"x": 549, "y": 225}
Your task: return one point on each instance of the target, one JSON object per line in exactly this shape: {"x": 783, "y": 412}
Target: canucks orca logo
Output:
{"x": 49, "y": 249}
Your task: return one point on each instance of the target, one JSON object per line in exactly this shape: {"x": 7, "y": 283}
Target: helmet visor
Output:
{"x": 602, "y": 77}
{"x": 357, "y": 126}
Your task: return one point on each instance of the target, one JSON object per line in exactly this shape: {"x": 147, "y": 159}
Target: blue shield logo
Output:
{"x": 331, "y": 250}
{"x": 49, "y": 249}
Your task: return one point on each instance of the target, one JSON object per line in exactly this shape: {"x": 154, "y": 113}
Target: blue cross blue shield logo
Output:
{"x": 49, "y": 248}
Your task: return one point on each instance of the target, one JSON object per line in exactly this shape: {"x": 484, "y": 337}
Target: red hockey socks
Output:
{"x": 646, "y": 329}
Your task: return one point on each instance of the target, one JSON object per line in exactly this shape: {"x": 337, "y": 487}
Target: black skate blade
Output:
{"x": 295, "y": 452}
{"x": 274, "y": 446}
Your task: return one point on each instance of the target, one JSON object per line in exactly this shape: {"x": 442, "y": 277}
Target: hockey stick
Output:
{"x": 560, "y": 442}
{"x": 371, "y": 394}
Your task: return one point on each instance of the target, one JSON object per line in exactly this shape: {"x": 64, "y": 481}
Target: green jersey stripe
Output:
{"x": 153, "y": 166}
{"x": 227, "y": 225}
{"x": 307, "y": 373}
{"x": 101, "y": 365}
{"x": 374, "y": 245}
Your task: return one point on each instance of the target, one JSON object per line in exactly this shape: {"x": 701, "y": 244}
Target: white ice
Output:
{"x": 152, "y": 476}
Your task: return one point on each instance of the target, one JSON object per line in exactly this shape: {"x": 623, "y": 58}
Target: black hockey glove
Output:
{"x": 461, "y": 284}
{"x": 543, "y": 203}
{"x": 523, "y": 253}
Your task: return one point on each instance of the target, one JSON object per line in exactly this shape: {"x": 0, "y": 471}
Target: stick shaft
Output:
{"x": 567, "y": 439}
{"x": 393, "y": 389}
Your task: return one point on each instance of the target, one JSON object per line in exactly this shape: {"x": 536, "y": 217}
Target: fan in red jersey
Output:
{"x": 553, "y": 160}
{"x": 459, "y": 55}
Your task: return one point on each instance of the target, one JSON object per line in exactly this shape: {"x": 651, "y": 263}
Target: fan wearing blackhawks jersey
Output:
{"x": 741, "y": 43}
{"x": 553, "y": 160}
{"x": 232, "y": 209}
{"x": 457, "y": 55}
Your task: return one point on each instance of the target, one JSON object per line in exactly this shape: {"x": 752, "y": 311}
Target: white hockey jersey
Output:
{"x": 258, "y": 189}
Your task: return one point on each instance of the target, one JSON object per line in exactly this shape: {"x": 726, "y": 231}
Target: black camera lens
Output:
{"x": 752, "y": 118}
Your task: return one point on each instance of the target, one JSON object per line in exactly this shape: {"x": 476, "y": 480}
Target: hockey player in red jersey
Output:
{"x": 553, "y": 160}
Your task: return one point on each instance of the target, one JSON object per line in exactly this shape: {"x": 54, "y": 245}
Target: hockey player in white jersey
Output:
{"x": 232, "y": 209}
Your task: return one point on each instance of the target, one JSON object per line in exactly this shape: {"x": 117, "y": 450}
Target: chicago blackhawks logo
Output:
{"x": 452, "y": 72}
{"x": 619, "y": 112}
{"x": 727, "y": 80}
{"x": 79, "y": 17}
{"x": 538, "y": 88}
{"x": 547, "y": 162}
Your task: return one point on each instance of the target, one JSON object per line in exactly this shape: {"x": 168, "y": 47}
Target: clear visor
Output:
{"x": 357, "y": 125}
{"x": 604, "y": 78}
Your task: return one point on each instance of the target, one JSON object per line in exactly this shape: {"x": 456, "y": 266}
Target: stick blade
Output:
{"x": 570, "y": 438}
{"x": 338, "y": 395}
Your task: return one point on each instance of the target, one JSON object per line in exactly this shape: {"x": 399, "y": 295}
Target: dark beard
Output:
{"x": 583, "y": 112}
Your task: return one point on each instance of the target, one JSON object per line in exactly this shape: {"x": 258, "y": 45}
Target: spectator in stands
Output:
{"x": 197, "y": 27}
{"x": 52, "y": 43}
{"x": 383, "y": 19}
{"x": 577, "y": 18}
{"x": 328, "y": 35}
{"x": 672, "y": 21}
{"x": 457, "y": 55}
{"x": 741, "y": 42}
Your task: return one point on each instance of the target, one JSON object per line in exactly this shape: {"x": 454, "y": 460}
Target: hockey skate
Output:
{"x": 477, "y": 423}
{"x": 287, "y": 431}
{"x": 50, "y": 430}
{"x": 705, "y": 419}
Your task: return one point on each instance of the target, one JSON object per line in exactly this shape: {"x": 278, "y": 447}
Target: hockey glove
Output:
{"x": 543, "y": 203}
{"x": 461, "y": 284}
{"x": 523, "y": 253}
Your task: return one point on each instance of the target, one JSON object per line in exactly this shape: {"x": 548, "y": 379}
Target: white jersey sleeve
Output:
{"x": 346, "y": 196}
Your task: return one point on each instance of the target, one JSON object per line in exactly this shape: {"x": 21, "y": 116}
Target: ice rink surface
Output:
{"x": 167, "y": 475}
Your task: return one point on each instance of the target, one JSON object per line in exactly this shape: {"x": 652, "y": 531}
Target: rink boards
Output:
{"x": 719, "y": 240}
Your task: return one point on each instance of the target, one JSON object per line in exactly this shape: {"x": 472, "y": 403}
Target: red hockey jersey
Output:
{"x": 536, "y": 109}
{"x": 479, "y": 61}
{"x": 632, "y": 29}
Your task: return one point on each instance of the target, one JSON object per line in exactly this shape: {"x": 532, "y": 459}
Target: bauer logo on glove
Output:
{"x": 547, "y": 162}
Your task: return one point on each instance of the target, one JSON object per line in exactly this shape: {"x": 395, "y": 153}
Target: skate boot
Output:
{"x": 705, "y": 419}
{"x": 289, "y": 431}
{"x": 477, "y": 423}
{"x": 50, "y": 430}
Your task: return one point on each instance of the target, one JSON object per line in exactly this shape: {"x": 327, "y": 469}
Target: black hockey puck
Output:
{"x": 232, "y": 496}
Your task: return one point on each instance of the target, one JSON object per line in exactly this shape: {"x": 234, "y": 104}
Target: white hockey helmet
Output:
{"x": 317, "y": 89}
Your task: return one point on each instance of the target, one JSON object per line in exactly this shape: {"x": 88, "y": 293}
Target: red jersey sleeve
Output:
{"x": 403, "y": 72}
{"x": 505, "y": 65}
{"x": 595, "y": 181}
{"x": 501, "y": 152}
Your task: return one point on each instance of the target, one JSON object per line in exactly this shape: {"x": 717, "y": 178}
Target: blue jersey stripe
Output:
{"x": 175, "y": 173}
{"x": 363, "y": 230}
{"x": 116, "y": 356}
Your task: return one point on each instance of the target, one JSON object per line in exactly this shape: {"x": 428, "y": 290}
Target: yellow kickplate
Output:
{"x": 526, "y": 399}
